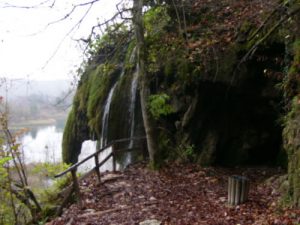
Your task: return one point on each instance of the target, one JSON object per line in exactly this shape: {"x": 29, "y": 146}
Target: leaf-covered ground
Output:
{"x": 178, "y": 195}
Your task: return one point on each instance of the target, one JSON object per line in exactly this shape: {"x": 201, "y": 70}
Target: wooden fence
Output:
{"x": 74, "y": 187}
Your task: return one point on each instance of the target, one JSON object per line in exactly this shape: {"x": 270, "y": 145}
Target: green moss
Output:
{"x": 69, "y": 137}
{"x": 81, "y": 96}
{"x": 292, "y": 146}
{"x": 169, "y": 68}
{"x": 98, "y": 87}
{"x": 291, "y": 131}
{"x": 128, "y": 57}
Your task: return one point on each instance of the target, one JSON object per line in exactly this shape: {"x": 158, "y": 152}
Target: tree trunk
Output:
{"x": 144, "y": 81}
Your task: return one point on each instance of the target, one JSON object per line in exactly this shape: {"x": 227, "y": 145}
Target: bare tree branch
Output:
{"x": 8, "y": 5}
{"x": 66, "y": 16}
{"x": 90, "y": 3}
{"x": 77, "y": 25}
{"x": 122, "y": 11}
{"x": 70, "y": 31}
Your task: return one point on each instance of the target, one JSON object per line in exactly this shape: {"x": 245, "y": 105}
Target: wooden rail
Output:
{"x": 73, "y": 169}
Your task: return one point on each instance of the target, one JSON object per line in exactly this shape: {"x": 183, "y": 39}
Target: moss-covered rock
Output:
{"x": 221, "y": 80}
{"x": 292, "y": 128}
{"x": 85, "y": 119}
{"x": 292, "y": 145}
{"x": 75, "y": 132}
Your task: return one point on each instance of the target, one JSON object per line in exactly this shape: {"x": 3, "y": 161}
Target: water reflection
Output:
{"x": 43, "y": 144}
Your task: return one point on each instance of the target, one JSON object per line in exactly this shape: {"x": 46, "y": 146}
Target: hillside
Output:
{"x": 31, "y": 101}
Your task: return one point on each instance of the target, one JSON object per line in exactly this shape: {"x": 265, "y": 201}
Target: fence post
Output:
{"x": 76, "y": 186}
{"x": 113, "y": 158}
{"x": 238, "y": 190}
{"x": 97, "y": 169}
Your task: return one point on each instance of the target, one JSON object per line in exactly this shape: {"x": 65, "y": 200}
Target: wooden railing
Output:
{"x": 73, "y": 169}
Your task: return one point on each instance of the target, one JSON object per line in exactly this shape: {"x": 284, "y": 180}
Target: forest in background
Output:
{"x": 34, "y": 102}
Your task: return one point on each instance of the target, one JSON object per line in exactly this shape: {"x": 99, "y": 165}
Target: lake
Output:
{"x": 43, "y": 144}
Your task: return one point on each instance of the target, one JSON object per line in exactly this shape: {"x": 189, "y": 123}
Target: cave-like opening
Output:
{"x": 249, "y": 124}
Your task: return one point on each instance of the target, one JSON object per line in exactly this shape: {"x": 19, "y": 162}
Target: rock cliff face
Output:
{"x": 220, "y": 89}
{"x": 291, "y": 134}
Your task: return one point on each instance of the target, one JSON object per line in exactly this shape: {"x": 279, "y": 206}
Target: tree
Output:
{"x": 144, "y": 82}
{"x": 16, "y": 187}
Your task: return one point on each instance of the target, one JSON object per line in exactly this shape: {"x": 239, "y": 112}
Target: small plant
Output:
{"x": 189, "y": 153}
{"x": 49, "y": 169}
{"x": 186, "y": 153}
{"x": 159, "y": 106}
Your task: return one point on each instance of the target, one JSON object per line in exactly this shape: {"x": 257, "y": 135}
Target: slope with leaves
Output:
{"x": 178, "y": 195}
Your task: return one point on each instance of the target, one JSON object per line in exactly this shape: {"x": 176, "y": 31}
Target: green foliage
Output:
{"x": 188, "y": 153}
{"x": 156, "y": 20}
{"x": 6, "y": 216}
{"x": 49, "y": 169}
{"x": 3, "y": 171}
{"x": 114, "y": 34}
{"x": 50, "y": 196}
{"x": 4, "y": 160}
{"x": 158, "y": 105}
{"x": 184, "y": 153}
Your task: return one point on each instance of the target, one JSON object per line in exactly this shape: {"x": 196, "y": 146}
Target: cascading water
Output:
{"x": 133, "y": 93}
{"x": 104, "y": 131}
{"x": 133, "y": 90}
{"x": 132, "y": 103}
{"x": 105, "y": 117}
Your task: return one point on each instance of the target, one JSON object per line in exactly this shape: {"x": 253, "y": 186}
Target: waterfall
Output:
{"x": 105, "y": 117}
{"x": 133, "y": 90}
{"x": 103, "y": 139}
{"x": 106, "y": 110}
{"x": 134, "y": 84}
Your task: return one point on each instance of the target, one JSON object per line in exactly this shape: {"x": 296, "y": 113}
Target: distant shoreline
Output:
{"x": 33, "y": 123}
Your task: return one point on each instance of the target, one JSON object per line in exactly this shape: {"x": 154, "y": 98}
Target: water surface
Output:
{"x": 43, "y": 144}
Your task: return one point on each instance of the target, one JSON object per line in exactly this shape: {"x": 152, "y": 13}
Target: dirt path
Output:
{"x": 177, "y": 195}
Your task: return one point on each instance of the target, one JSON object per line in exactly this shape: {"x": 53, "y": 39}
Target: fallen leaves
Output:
{"x": 179, "y": 194}
{"x": 220, "y": 23}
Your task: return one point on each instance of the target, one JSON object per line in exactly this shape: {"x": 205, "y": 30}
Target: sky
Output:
{"x": 32, "y": 49}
